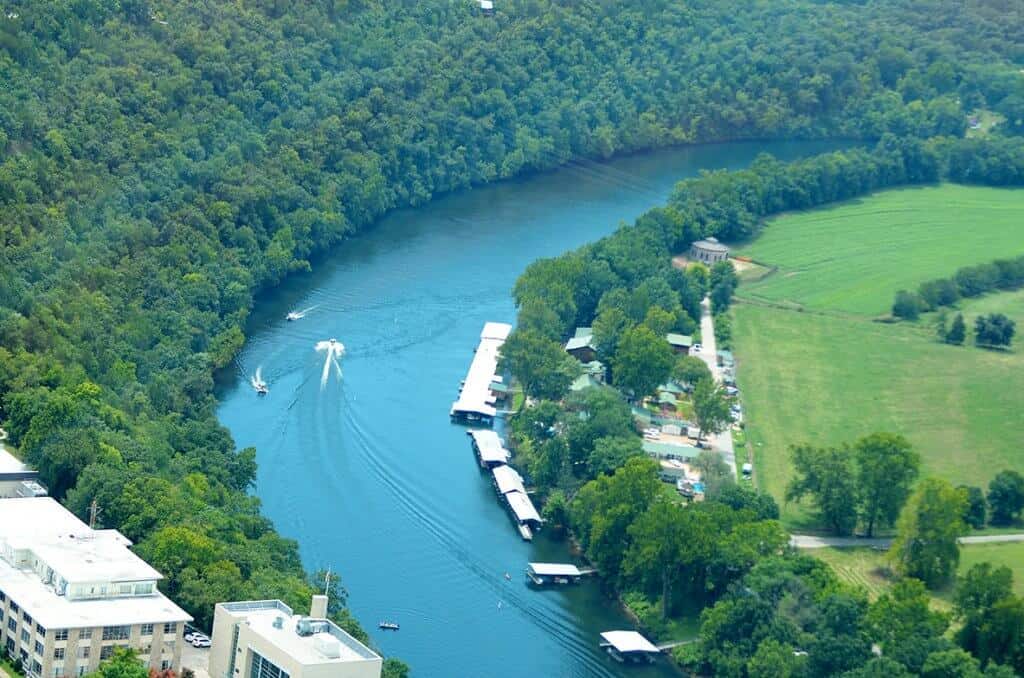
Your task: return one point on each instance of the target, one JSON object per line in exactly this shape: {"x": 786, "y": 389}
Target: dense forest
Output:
{"x": 161, "y": 162}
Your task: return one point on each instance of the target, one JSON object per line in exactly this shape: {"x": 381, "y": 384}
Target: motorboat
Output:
{"x": 293, "y": 315}
{"x": 261, "y": 389}
{"x": 388, "y": 626}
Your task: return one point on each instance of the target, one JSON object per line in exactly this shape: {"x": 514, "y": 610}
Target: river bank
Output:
{"x": 368, "y": 474}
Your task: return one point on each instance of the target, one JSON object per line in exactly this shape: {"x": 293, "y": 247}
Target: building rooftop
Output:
{"x": 580, "y": 342}
{"x": 679, "y": 339}
{"x": 583, "y": 332}
{"x": 508, "y": 479}
{"x": 522, "y": 507}
{"x": 711, "y": 244}
{"x": 275, "y": 622}
{"x": 628, "y": 641}
{"x": 12, "y": 466}
{"x": 67, "y": 545}
{"x": 555, "y": 569}
{"x": 489, "y": 446}
{"x": 476, "y": 396}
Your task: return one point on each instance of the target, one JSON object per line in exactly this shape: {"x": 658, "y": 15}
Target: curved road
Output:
{"x": 721, "y": 442}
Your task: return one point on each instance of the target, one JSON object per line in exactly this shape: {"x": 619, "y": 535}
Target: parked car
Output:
{"x": 731, "y": 391}
{"x": 695, "y": 349}
{"x": 200, "y": 641}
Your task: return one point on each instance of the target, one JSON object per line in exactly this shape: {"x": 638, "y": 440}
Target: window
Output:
{"x": 84, "y": 633}
{"x": 107, "y": 652}
{"x": 83, "y": 651}
{"x": 3, "y": 596}
{"x": 28, "y": 619}
{"x": 116, "y": 632}
{"x": 58, "y": 670}
{"x": 170, "y": 627}
{"x": 165, "y": 664}
{"x": 36, "y": 667}
{"x": 39, "y": 648}
{"x": 58, "y": 653}
{"x": 1, "y": 615}
{"x": 25, "y": 637}
{"x": 262, "y": 668}
{"x": 60, "y": 634}
{"x": 14, "y": 607}
{"x": 144, "y": 588}
{"x": 12, "y": 624}
{"x": 147, "y": 629}
{"x": 40, "y": 630}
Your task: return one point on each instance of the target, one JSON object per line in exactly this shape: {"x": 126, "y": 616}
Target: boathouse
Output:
{"x": 628, "y": 646}
{"x": 507, "y": 479}
{"x": 554, "y": 573}
{"x": 489, "y": 450}
{"x": 709, "y": 251}
{"x": 524, "y": 512}
{"x": 476, "y": 399}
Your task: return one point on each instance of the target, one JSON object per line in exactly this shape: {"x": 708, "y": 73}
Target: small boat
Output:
{"x": 508, "y": 577}
{"x": 333, "y": 341}
{"x": 261, "y": 389}
{"x": 389, "y": 626}
{"x": 293, "y": 315}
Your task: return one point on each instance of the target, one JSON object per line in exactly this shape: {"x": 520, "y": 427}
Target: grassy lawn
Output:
{"x": 852, "y": 257}
{"x": 868, "y": 568}
{"x": 831, "y": 376}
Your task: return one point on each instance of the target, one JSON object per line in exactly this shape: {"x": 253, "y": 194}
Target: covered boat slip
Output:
{"x": 488, "y": 447}
{"x": 476, "y": 400}
{"x": 555, "y": 573}
{"x": 507, "y": 479}
{"x": 628, "y": 646}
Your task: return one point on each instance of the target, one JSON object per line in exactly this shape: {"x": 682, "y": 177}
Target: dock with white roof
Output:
{"x": 476, "y": 400}
{"x": 556, "y": 573}
{"x": 490, "y": 451}
{"x": 628, "y": 646}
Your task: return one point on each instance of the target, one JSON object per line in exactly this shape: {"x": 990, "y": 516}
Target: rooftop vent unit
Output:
{"x": 327, "y": 645}
{"x": 278, "y": 622}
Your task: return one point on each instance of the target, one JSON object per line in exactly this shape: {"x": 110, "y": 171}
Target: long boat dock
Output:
{"x": 508, "y": 484}
{"x": 475, "y": 403}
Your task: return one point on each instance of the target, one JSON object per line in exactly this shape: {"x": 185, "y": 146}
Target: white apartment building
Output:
{"x": 18, "y": 479}
{"x": 264, "y": 639}
{"x": 70, "y": 595}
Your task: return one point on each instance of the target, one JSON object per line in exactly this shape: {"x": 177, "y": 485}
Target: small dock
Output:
{"x": 490, "y": 451}
{"x": 628, "y": 646}
{"x": 475, "y": 404}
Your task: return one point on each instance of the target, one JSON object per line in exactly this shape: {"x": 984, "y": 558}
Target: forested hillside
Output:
{"x": 160, "y": 162}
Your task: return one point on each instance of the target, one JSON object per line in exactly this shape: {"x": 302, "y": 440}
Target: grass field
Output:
{"x": 868, "y": 568}
{"x": 852, "y": 257}
{"x": 828, "y": 377}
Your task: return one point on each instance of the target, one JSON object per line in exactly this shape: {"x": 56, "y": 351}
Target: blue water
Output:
{"x": 367, "y": 472}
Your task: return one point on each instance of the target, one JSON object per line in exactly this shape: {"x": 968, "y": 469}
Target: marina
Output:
{"x": 475, "y": 404}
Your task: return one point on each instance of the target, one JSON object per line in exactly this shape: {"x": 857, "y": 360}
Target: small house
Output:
{"x": 680, "y": 343}
{"x": 582, "y": 346}
{"x": 709, "y": 251}
{"x": 487, "y": 7}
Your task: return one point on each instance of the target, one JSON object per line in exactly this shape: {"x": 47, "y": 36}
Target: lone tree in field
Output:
{"x": 710, "y": 407}
{"x": 1006, "y": 497}
{"x": 886, "y": 469}
{"x": 994, "y": 329}
{"x": 826, "y": 475}
{"x": 907, "y": 305}
{"x": 928, "y": 528}
{"x": 957, "y": 331}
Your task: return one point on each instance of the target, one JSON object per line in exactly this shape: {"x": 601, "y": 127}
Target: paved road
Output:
{"x": 197, "y": 659}
{"x": 709, "y": 354}
{"x": 804, "y": 541}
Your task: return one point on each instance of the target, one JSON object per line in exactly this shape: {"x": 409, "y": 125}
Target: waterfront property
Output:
{"x": 476, "y": 400}
{"x": 488, "y": 447}
{"x": 18, "y": 479}
{"x": 265, "y": 639}
{"x": 70, "y": 595}
{"x": 680, "y": 343}
{"x": 581, "y": 346}
{"x": 709, "y": 251}
{"x": 628, "y": 646}
{"x": 525, "y": 513}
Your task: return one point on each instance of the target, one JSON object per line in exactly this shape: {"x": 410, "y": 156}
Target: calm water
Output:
{"x": 367, "y": 472}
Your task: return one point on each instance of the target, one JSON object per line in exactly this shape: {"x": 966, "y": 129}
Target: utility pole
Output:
{"x": 94, "y": 513}
{"x": 327, "y": 582}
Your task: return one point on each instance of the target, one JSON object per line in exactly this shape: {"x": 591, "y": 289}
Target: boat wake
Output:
{"x": 299, "y": 315}
{"x": 257, "y": 382}
{"x": 334, "y": 350}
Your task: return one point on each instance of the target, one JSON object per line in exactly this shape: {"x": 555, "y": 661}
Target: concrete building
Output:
{"x": 709, "y": 251}
{"x": 264, "y": 639}
{"x": 17, "y": 479}
{"x": 70, "y": 595}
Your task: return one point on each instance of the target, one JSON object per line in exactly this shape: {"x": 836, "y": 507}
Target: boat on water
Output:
{"x": 293, "y": 315}
{"x": 388, "y": 626}
{"x": 261, "y": 389}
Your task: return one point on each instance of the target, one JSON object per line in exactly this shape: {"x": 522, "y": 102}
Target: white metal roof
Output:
{"x": 309, "y": 650}
{"x": 508, "y": 479}
{"x": 476, "y": 391}
{"x": 489, "y": 445}
{"x": 11, "y": 464}
{"x": 522, "y": 507}
{"x": 628, "y": 641}
{"x": 555, "y": 569}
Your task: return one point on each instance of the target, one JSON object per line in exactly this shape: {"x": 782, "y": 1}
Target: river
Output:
{"x": 367, "y": 472}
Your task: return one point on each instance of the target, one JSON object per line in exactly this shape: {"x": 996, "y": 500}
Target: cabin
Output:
{"x": 658, "y": 450}
{"x": 581, "y": 346}
{"x": 709, "y": 251}
{"x": 553, "y": 573}
{"x": 487, "y": 7}
{"x": 628, "y": 646}
{"x": 680, "y": 343}
{"x": 489, "y": 450}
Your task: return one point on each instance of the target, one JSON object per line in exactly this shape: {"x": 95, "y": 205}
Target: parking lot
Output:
{"x": 197, "y": 659}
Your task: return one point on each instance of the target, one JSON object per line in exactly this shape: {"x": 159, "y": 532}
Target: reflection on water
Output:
{"x": 369, "y": 475}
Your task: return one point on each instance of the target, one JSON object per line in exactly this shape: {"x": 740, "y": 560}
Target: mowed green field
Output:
{"x": 827, "y": 378}
{"x": 852, "y": 257}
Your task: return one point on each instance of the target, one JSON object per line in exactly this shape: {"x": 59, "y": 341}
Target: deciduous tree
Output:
{"x": 825, "y": 474}
{"x": 927, "y": 531}
{"x": 886, "y": 469}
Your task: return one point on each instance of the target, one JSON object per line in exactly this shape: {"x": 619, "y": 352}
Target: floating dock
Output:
{"x": 476, "y": 399}
{"x": 490, "y": 451}
{"x": 542, "y": 574}
{"x": 628, "y": 646}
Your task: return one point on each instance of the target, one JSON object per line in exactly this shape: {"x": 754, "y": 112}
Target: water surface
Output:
{"x": 366, "y": 471}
